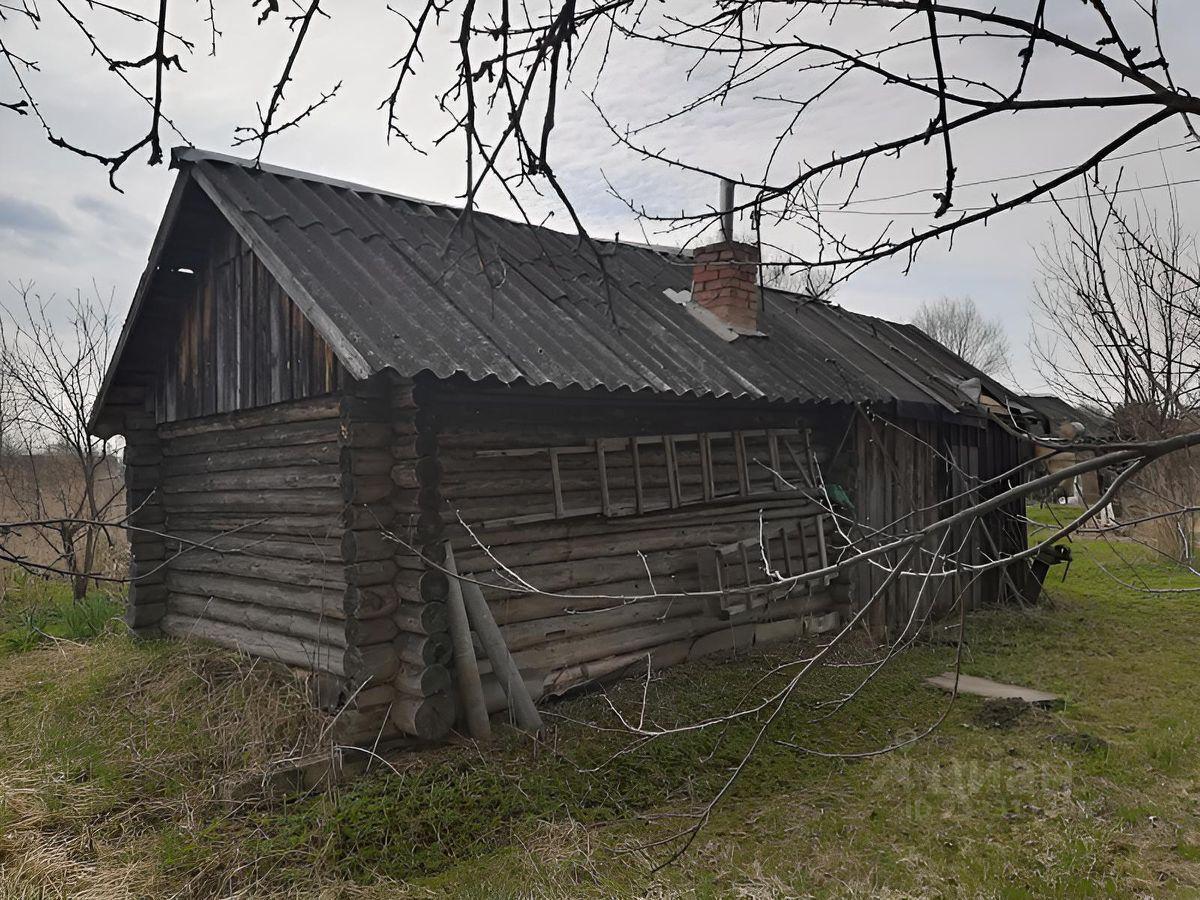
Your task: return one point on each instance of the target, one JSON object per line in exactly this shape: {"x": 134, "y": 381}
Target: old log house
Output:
{"x": 331, "y": 394}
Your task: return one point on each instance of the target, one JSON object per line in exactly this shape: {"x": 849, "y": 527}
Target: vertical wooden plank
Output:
{"x": 556, "y": 477}
{"x": 746, "y": 566}
{"x": 208, "y": 347}
{"x": 706, "y": 467}
{"x": 672, "y": 470}
{"x": 739, "y": 453}
{"x": 195, "y": 367}
{"x": 602, "y": 471}
{"x": 708, "y": 564}
{"x": 304, "y": 354}
{"x": 286, "y": 360}
{"x": 245, "y": 341}
{"x": 773, "y": 452}
{"x": 639, "y": 497}
{"x": 275, "y": 339}
{"x": 787, "y": 552}
{"x": 328, "y": 369}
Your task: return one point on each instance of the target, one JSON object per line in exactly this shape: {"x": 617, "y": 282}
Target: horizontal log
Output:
{"x": 423, "y": 471}
{"x": 272, "y": 620}
{"x": 571, "y": 651}
{"x": 372, "y": 663}
{"x": 367, "y": 544}
{"x": 254, "y": 543}
{"x": 424, "y": 650}
{"x": 530, "y": 633}
{"x": 146, "y": 546}
{"x": 370, "y": 602}
{"x": 289, "y": 572}
{"x": 274, "y": 479}
{"x": 321, "y": 529}
{"x": 319, "y": 601}
{"x": 296, "y": 434}
{"x": 369, "y": 573}
{"x": 142, "y": 613}
{"x": 366, "y": 460}
{"x": 618, "y": 542}
{"x": 427, "y": 718}
{"x": 366, "y": 434}
{"x": 376, "y": 630}
{"x": 147, "y": 515}
{"x": 771, "y": 507}
{"x": 364, "y": 727}
{"x": 324, "y": 453}
{"x": 421, "y": 618}
{"x": 288, "y": 650}
{"x": 143, "y": 476}
{"x": 366, "y": 488}
{"x": 375, "y": 695}
{"x": 417, "y": 681}
{"x": 327, "y": 501}
{"x": 408, "y": 445}
{"x": 307, "y": 410}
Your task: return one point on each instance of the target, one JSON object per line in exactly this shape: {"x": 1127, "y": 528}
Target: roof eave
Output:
{"x": 96, "y": 423}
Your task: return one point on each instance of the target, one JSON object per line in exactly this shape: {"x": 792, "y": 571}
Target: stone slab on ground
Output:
{"x": 983, "y": 687}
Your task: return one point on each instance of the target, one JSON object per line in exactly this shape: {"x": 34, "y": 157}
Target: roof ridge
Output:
{"x": 182, "y": 155}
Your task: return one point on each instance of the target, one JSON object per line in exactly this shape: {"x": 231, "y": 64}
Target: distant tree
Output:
{"x": 1117, "y": 311}
{"x": 55, "y": 472}
{"x": 958, "y": 324}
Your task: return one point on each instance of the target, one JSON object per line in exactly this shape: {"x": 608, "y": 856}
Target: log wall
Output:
{"x": 253, "y": 506}
{"x": 545, "y": 522}
{"x": 313, "y": 532}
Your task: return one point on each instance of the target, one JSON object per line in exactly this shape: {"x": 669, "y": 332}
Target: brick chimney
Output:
{"x": 725, "y": 274}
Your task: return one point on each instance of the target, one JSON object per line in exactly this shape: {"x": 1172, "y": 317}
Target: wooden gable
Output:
{"x": 237, "y": 341}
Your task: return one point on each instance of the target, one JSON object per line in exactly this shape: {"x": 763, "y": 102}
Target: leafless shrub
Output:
{"x": 1118, "y": 328}
{"x": 59, "y": 485}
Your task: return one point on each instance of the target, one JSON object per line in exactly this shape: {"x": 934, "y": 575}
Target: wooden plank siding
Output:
{"x": 513, "y": 466}
{"x": 239, "y": 342}
{"x": 910, "y": 473}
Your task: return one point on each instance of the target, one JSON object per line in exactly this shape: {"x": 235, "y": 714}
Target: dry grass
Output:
{"x": 115, "y": 756}
{"x": 48, "y": 486}
{"x": 104, "y": 746}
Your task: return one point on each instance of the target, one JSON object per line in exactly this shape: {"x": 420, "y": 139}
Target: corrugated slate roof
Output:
{"x": 398, "y": 283}
{"x": 1056, "y": 411}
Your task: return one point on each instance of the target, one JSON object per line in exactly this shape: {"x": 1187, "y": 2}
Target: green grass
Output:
{"x": 35, "y": 611}
{"x": 115, "y": 753}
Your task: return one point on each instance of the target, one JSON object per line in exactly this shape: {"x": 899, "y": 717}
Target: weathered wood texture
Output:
{"x": 227, "y": 483}
{"x": 533, "y": 479}
{"x": 235, "y": 340}
{"x": 911, "y": 473}
{"x": 146, "y": 603}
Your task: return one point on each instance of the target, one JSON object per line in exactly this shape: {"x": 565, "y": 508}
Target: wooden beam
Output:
{"x": 519, "y": 699}
{"x": 466, "y": 666}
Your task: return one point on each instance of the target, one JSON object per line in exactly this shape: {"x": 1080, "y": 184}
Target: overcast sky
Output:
{"x": 63, "y": 227}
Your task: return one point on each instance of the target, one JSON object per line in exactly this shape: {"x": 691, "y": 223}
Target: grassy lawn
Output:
{"x": 115, "y": 756}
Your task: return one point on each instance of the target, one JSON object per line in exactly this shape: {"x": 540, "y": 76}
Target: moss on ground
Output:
{"x": 115, "y": 752}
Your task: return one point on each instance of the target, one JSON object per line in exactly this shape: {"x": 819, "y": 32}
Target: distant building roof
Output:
{"x": 1056, "y": 410}
{"x": 397, "y": 283}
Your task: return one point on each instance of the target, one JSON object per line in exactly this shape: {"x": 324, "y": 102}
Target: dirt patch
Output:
{"x": 997, "y": 712}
